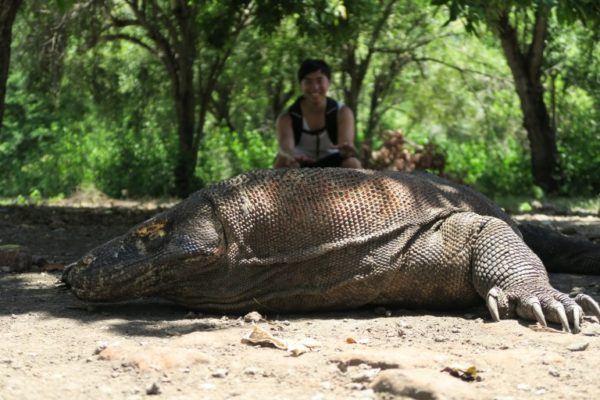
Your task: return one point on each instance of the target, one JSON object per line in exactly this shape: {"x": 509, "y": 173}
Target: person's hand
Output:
{"x": 347, "y": 150}
{"x": 301, "y": 158}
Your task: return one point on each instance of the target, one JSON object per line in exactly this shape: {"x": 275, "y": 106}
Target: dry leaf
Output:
{"x": 261, "y": 337}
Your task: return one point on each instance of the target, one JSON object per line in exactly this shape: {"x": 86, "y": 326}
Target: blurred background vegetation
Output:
{"x": 157, "y": 98}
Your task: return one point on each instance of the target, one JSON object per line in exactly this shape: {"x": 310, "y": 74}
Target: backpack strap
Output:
{"x": 331, "y": 119}
{"x": 331, "y": 116}
{"x": 295, "y": 112}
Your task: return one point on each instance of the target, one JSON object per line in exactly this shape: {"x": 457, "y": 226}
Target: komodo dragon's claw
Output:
{"x": 544, "y": 304}
{"x": 588, "y": 305}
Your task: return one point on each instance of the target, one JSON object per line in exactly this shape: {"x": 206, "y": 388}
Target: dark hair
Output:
{"x": 310, "y": 65}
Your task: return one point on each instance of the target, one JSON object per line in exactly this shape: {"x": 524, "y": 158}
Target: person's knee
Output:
{"x": 351, "y": 162}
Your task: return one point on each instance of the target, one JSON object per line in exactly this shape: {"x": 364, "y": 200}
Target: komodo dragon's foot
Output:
{"x": 541, "y": 304}
{"x": 514, "y": 282}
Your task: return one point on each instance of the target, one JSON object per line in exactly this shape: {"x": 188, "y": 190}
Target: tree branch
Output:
{"x": 535, "y": 54}
{"x": 459, "y": 69}
{"x": 129, "y": 38}
{"x": 418, "y": 43}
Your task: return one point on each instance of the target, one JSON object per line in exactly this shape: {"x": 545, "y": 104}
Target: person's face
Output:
{"x": 315, "y": 86}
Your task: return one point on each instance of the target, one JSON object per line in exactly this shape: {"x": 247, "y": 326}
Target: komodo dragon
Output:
{"x": 314, "y": 239}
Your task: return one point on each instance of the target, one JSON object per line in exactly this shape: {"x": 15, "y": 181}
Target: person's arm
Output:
{"x": 346, "y": 132}
{"x": 285, "y": 137}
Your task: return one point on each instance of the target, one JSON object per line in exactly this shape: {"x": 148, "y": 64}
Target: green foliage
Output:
{"x": 225, "y": 153}
{"x": 102, "y": 114}
{"x": 494, "y": 168}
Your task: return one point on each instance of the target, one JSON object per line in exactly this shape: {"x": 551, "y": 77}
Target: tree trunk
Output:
{"x": 526, "y": 71}
{"x": 185, "y": 104}
{"x": 8, "y": 11}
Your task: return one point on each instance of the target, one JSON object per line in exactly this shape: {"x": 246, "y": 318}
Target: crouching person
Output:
{"x": 316, "y": 131}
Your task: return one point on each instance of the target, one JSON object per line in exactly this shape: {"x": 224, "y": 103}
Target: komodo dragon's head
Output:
{"x": 152, "y": 257}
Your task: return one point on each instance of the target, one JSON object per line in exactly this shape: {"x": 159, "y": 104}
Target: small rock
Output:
{"x": 421, "y": 384}
{"x": 327, "y": 385}
{"x": 540, "y": 391}
{"x": 553, "y": 372}
{"x": 578, "y": 346}
{"x": 153, "y": 389}
{"x": 16, "y": 257}
{"x": 355, "y": 386}
{"x": 253, "y": 371}
{"x": 366, "y": 375}
{"x": 524, "y": 387}
{"x": 367, "y": 394}
{"x": 440, "y": 339}
{"x": 220, "y": 373}
{"x": 253, "y": 316}
{"x": 101, "y": 346}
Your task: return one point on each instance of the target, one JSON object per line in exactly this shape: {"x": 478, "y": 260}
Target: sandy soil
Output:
{"x": 52, "y": 346}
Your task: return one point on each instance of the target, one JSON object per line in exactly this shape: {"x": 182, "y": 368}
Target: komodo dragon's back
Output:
{"x": 298, "y": 240}
{"x": 298, "y": 214}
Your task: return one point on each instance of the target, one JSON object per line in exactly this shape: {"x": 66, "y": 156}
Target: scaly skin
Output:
{"x": 302, "y": 240}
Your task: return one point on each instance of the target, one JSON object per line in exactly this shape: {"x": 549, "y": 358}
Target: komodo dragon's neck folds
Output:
{"x": 301, "y": 240}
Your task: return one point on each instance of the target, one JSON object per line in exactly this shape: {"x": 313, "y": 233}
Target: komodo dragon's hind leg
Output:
{"x": 513, "y": 280}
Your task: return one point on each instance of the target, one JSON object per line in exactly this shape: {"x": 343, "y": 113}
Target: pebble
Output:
{"x": 524, "y": 387}
{"x": 365, "y": 375}
{"x": 253, "y": 371}
{"x": 355, "y": 386}
{"x": 253, "y": 316}
{"x": 553, "y": 372}
{"x": 367, "y": 393}
{"x": 101, "y": 346}
{"x": 578, "y": 346}
{"x": 327, "y": 385}
{"x": 220, "y": 373}
{"x": 153, "y": 389}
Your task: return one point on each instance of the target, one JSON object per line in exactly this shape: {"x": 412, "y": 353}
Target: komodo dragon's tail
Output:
{"x": 562, "y": 253}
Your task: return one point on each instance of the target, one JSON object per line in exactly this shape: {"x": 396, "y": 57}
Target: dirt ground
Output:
{"x": 52, "y": 346}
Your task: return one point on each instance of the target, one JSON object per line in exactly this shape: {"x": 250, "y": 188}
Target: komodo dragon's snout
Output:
{"x": 151, "y": 258}
{"x": 302, "y": 240}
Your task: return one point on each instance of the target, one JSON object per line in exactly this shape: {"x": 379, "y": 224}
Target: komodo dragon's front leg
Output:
{"x": 513, "y": 280}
